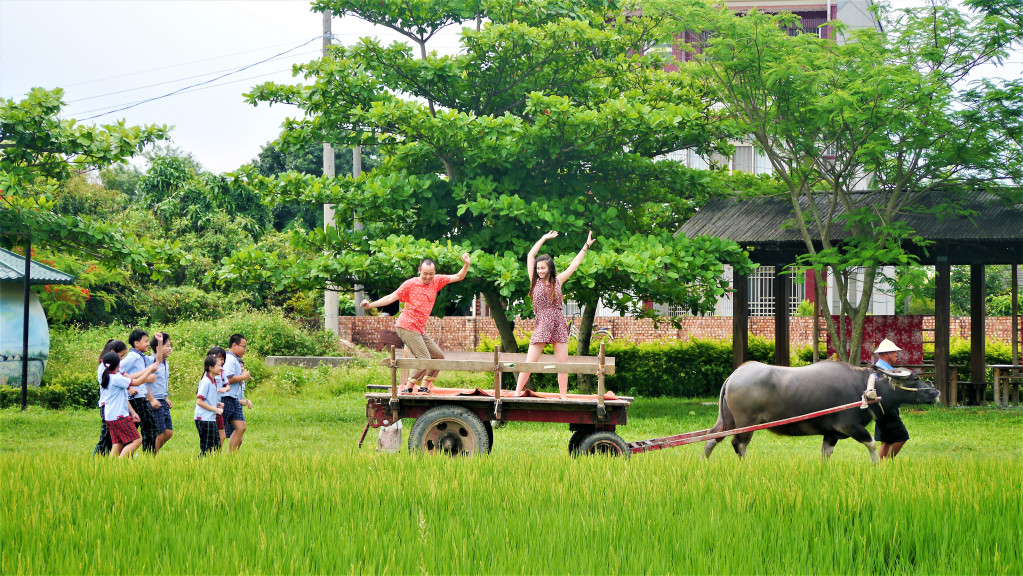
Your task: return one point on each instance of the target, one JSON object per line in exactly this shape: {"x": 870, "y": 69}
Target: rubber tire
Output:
{"x": 490, "y": 435}
{"x": 434, "y": 424}
{"x": 604, "y": 443}
{"x": 576, "y": 439}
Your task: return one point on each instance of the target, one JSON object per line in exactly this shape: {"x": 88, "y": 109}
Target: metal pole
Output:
{"x": 24, "y": 326}
{"x": 330, "y": 315}
{"x": 356, "y": 225}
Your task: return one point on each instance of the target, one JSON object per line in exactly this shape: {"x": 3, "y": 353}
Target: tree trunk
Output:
{"x": 504, "y": 326}
{"x": 507, "y": 331}
{"x": 583, "y": 343}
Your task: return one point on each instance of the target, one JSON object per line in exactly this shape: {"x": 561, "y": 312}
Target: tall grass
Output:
{"x": 300, "y": 497}
{"x": 542, "y": 513}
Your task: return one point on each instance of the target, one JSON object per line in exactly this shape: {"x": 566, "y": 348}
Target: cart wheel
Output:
{"x": 450, "y": 430}
{"x": 490, "y": 435}
{"x": 607, "y": 443}
{"x": 576, "y": 440}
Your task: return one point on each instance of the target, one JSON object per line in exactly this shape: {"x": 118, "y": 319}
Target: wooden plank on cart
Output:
{"x": 488, "y": 358}
{"x": 505, "y": 366}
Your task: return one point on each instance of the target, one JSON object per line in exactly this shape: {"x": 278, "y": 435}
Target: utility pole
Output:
{"x": 356, "y": 172}
{"x": 330, "y": 319}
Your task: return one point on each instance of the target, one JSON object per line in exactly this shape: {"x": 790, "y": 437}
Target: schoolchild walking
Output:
{"x": 143, "y": 402}
{"x": 223, "y": 387}
{"x": 236, "y": 375}
{"x": 119, "y": 416}
{"x": 104, "y": 445}
{"x": 160, "y": 390}
{"x": 208, "y": 406}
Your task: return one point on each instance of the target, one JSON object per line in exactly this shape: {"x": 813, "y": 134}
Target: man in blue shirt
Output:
{"x": 889, "y": 429}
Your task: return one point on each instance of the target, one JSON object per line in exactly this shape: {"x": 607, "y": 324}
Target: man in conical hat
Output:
{"x": 889, "y": 429}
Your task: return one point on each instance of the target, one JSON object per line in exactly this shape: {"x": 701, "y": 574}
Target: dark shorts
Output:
{"x": 162, "y": 417}
{"x": 122, "y": 431}
{"x": 232, "y": 409}
{"x": 889, "y": 428}
{"x": 209, "y": 438}
{"x": 220, "y": 422}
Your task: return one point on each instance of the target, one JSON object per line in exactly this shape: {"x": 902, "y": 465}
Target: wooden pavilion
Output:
{"x": 991, "y": 234}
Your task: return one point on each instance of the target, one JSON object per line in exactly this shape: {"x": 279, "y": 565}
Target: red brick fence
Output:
{"x": 464, "y": 332}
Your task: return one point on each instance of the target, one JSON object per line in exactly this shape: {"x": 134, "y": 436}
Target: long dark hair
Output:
{"x": 111, "y": 361}
{"x": 112, "y": 345}
{"x": 552, "y": 275}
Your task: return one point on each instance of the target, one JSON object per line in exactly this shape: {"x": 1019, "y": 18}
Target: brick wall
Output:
{"x": 463, "y": 332}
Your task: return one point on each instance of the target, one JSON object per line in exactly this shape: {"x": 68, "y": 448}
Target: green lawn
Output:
{"x": 301, "y": 497}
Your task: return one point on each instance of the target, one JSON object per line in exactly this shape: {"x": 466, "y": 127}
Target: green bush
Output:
{"x": 167, "y": 304}
{"x": 995, "y": 352}
{"x": 696, "y": 368}
{"x": 70, "y": 378}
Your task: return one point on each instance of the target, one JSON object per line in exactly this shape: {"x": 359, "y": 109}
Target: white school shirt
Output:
{"x": 207, "y": 390}
{"x": 99, "y": 380}
{"x": 134, "y": 362}
{"x": 233, "y": 367}
{"x": 116, "y": 398}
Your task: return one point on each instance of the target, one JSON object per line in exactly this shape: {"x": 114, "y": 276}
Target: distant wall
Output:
{"x": 464, "y": 332}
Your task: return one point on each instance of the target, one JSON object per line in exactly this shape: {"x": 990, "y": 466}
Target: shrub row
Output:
{"x": 70, "y": 378}
{"x": 695, "y": 368}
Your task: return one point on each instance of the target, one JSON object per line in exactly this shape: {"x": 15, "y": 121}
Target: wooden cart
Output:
{"x": 462, "y": 421}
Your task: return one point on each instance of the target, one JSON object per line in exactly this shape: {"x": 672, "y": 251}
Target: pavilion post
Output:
{"x": 978, "y": 311}
{"x": 740, "y": 319}
{"x": 25, "y": 319}
{"x": 942, "y": 326}
{"x": 782, "y": 290}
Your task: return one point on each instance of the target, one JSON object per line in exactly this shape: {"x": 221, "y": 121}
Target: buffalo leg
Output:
{"x": 862, "y": 435}
{"x": 740, "y": 442}
{"x": 828, "y": 446}
{"x": 709, "y": 447}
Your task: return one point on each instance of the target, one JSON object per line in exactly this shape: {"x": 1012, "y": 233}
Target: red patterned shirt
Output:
{"x": 419, "y": 299}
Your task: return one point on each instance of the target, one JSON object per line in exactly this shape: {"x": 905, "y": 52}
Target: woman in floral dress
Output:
{"x": 545, "y": 287}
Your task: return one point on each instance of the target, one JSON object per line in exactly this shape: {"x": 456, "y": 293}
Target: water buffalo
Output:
{"x": 756, "y": 393}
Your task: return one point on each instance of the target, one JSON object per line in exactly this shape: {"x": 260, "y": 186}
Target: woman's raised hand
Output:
{"x": 550, "y": 235}
{"x": 590, "y": 239}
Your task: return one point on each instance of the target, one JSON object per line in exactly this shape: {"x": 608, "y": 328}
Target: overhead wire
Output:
{"x": 189, "y": 91}
{"x": 169, "y": 66}
{"x": 172, "y": 81}
{"x": 205, "y": 82}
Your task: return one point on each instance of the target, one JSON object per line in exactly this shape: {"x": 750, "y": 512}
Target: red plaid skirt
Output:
{"x": 220, "y": 422}
{"x": 122, "y": 431}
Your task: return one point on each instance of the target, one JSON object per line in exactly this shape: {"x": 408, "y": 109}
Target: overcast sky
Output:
{"x": 111, "y": 54}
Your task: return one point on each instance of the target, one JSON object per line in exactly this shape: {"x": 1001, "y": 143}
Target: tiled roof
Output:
{"x": 12, "y": 269}
{"x": 991, "y": 232}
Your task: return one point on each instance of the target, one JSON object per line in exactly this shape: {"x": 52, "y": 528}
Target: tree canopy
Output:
{"x": 892, "y": 113}
{"x": 549, "y": 116}
{"x": 39, "y": 153}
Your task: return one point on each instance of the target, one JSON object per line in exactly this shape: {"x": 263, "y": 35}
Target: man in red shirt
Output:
{"x": 419, "y": 294}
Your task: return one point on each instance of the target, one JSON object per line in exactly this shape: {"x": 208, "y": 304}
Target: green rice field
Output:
{"x": 300, "y": 497}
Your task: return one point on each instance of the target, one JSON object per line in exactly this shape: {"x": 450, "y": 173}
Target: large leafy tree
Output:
{"x": 548, "y": 117}
{"x": 39, "y": 154}
{"x": 891, "y": 112}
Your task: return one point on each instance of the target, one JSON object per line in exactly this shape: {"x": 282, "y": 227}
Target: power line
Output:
{"x": 178, "y": 65}
{"x": 186, "y": 91}
{"x": 170, "y": 81}
{"x": 180, "y": 90}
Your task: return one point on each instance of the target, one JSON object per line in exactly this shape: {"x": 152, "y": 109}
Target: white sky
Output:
{"x": 94, "y": 49}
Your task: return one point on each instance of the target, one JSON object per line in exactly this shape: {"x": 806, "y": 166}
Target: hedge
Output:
{"x": 693, "y": 369}
{"x": 70, "y": 378}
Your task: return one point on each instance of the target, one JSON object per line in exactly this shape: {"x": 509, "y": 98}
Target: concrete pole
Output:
{"x": 330, "y": 319}
{"x": 356, "y": 225}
